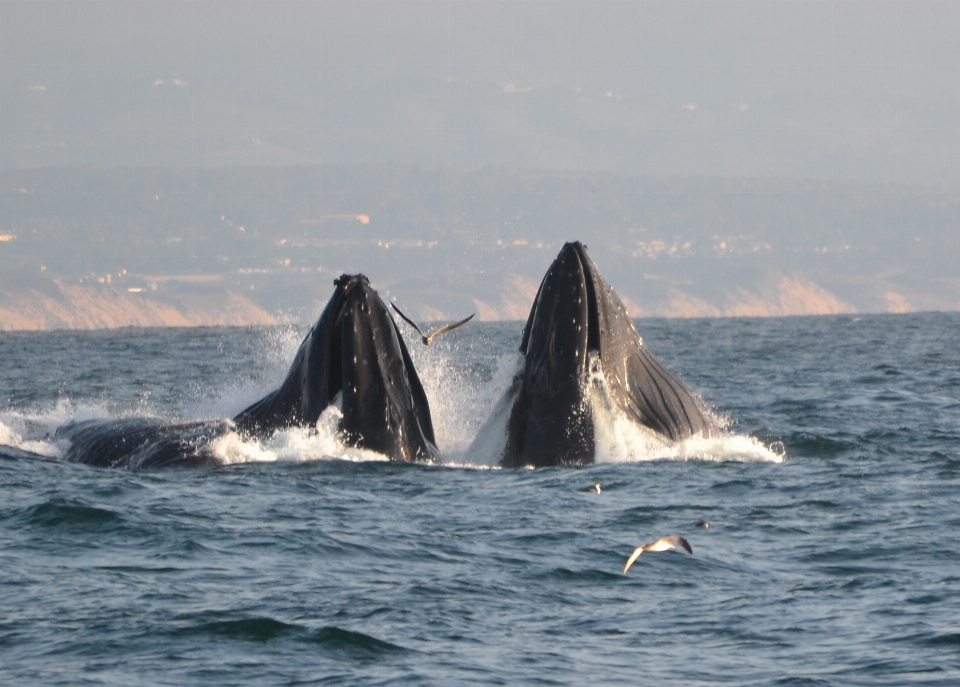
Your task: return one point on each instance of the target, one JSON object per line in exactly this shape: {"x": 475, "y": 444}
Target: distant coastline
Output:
{"x": 55, "y": 304}
{"x": 58, "y": 305}
{"x": 99, "y": 248}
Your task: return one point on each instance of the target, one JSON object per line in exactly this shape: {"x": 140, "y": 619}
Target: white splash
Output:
{"x": 489, "y": 443}
{"x": 459, "y": 405}
{"x": 621, "y": 440}
{"x": 10, "y": 437}
{"x": 470, "y": 417}
{"x": 278, "y": 347}
{"x": 294, "y": 445}
{"x": 35, "y": 431}
{"x": 618, "y": 438}
{"x": 460, "y": 402}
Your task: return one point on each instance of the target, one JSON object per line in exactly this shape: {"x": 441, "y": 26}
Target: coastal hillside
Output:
{"x": 56, "y": 305}
{"x": 86, "y": 247}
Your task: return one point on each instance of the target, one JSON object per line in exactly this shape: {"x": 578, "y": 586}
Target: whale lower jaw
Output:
{"x": 543, "y": 435}
{"x": 614, "y": 435}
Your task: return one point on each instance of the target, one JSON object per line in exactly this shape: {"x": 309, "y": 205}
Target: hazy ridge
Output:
{"x": 86, "y": 247}
{"x": 56, "y": 305}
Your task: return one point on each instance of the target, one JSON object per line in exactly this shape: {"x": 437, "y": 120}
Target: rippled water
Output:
{"x": 839, "y": 565}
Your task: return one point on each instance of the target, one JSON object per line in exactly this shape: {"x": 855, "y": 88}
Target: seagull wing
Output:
{"x": 633, "y": 556}
{"x": 676, "y": 538}
{"x": 445, "y": 328}
{"x": 407, "y": 319}
{"x": 671, "y": 541}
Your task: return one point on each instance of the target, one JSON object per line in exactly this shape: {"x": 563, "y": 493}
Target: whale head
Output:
{"x": 579, "y": 333}
{"x": 354, "y": 356}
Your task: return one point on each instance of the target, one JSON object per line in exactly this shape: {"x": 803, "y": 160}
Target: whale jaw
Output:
{"x": 551, "y": 422}
{"x": 579, "y": 334}
{"x": 356, "y": 355}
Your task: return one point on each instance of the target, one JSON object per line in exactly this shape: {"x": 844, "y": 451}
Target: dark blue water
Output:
{"x": 833, "y": 555}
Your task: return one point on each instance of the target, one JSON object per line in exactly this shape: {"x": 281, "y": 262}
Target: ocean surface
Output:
{"x": 832, "y": 555}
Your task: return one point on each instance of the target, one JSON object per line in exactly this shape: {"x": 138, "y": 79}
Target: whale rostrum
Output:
{"x": 579, "y": 333}
{"x": 354, "y": 352}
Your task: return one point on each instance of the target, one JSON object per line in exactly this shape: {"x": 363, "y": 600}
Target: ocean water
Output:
{"x": 832, "y": 556}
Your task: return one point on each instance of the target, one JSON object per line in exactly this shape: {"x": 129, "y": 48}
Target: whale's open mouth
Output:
{"x": 578, "y": 328}
{"x": 355, "y": 353}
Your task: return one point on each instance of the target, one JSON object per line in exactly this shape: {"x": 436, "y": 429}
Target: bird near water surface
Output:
{"x": 428, "y": 338}
{"x": 671, "y": 541}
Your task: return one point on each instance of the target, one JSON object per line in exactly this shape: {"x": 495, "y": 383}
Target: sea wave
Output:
{"x": 461, "y": 402}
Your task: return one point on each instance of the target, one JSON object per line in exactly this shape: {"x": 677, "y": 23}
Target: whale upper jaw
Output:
{"x": 354, "y": 352}
{"x": 578, "y": 331}
{"x": 551, "y": 422}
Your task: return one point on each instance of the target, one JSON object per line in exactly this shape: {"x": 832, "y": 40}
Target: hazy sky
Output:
{"x": 864, "y": 90}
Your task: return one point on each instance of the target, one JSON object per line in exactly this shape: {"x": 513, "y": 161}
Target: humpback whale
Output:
{"x": 353, "y": 357}
{"x": 137, "y": 442}
{"x": 578, "y": 334}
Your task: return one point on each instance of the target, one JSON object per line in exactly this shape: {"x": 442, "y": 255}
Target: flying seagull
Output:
{"x": 428, "y": 338}
{"x": 671, "y": 541}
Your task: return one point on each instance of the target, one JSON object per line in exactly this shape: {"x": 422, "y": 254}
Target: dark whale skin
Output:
{"x": 354, "y": 351}
{"x": 577, "y": 320}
